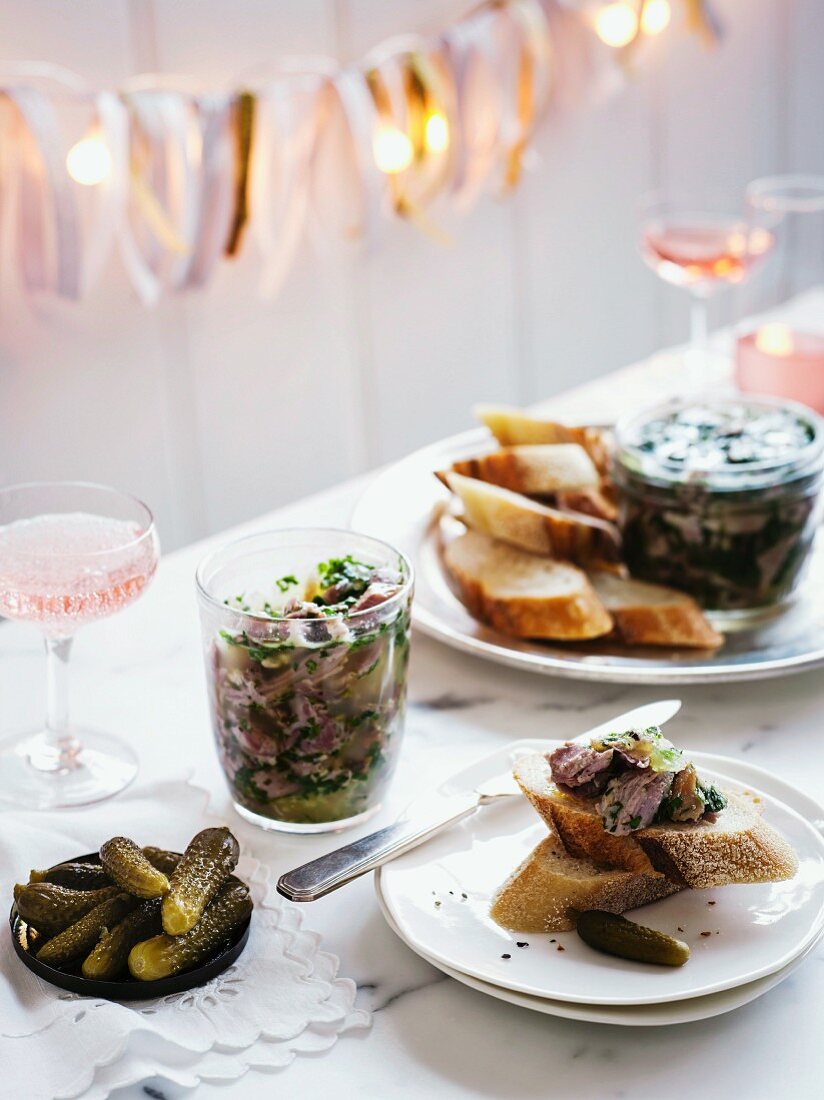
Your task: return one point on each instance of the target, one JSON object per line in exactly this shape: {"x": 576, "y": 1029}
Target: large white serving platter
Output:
{"x": 755, "y": 931}
{"x": 402, "y": 506}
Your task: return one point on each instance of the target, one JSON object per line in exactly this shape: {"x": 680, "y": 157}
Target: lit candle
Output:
{"x": 778, "y": 360}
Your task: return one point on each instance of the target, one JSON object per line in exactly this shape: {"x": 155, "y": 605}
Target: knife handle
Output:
{"x": 321, "y": 876}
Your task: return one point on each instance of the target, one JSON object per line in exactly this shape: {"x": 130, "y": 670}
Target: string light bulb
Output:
{"x": 436, "y": 132}
{"x": 89, "y": 162}
{"x": 616, "y": 24}
{"x": 655, "y": 17}
{"x": 392, "y": 150}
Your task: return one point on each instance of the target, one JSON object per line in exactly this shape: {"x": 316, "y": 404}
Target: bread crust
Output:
{"x": 536, "y": 528}
{"x": 541, "y": 893}
{"x": 653, "y": 614}
{"x": 574, "y": 612}
{"x": 535, "y": 469}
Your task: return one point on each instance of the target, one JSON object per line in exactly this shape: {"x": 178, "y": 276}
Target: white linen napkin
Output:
{"x": 281, "y": 998}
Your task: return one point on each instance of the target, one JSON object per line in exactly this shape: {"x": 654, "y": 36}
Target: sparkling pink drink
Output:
{"x": 65, "y": 569}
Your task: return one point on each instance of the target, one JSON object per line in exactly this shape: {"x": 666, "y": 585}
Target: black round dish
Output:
{"x": 124, "y": 989}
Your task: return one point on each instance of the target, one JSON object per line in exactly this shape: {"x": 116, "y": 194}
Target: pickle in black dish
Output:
{"x": 131, "y": 870}
{"x": 51, "y": 908}
{"x": 164, "y": 955}
{"x": 80, "y": 937}
{"x": 721, "y": 499}
{"x": 161, "y": 859}
{"x": 109, "y": 957}
{"x": 77, "y": 875}
{"x": 208, "y": 861}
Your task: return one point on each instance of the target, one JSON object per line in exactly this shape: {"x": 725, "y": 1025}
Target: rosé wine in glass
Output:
{"x": 70, "y": 554}
{"x": 64, "y": 570}
{"x": 704, "y": 243}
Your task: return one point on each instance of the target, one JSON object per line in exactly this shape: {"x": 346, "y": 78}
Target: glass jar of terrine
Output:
{"x": 721, "y": 498}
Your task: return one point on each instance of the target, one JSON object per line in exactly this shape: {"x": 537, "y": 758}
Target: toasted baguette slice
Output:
{"x": 592, "y": 502}
{"x": 522, "y": 522}
{"x": 652, "y": 614}
{"x": 738, "y": 847}
{"x": 521, "y": 594}
{"x": 540, "y": 894}
{"x": 540, "y": 470}
{"x": 513, "y": 427}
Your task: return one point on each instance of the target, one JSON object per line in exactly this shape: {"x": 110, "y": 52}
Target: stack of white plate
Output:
{"x": 744, "y": 939}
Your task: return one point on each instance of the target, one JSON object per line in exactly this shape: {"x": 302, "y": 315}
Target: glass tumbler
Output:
{"x": 307, "y": 706}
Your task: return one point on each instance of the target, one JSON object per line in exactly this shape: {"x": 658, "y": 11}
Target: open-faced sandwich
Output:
{"x": 541, "y": 555}
{"x": 632, "y": 800}
{"x": 630, "y": 822}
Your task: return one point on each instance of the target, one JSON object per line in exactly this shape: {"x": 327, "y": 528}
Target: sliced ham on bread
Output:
{"x": 521, "y": 594}
{"x": 513, "y": 427}
{"x": 542, "y": 893}
{"x": 737, "y": 847}
{"x": 652, "y": 614}
{"x": 534, "y": 470}
{"x": 534, "y": 527}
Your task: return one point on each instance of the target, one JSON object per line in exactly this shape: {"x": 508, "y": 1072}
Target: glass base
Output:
{"x": 729, "y": 622}
{"x": 87, "y": 767}
{"x": 301, "y": 829}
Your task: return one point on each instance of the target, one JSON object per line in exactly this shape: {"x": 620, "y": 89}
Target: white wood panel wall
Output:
{"x": 219, "y": 405}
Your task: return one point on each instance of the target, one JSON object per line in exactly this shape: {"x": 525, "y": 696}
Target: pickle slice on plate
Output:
{"x": 110, "y": 955}
{"x": 164, "y": 955}
{"x": 211, "y": 857}
{"x": 615, "y": 935}
{"x": 51, "y": 908}
{"x": 81, "y": 936}
{"x": 131, "y": 870}
{"x": 79, "y": 876}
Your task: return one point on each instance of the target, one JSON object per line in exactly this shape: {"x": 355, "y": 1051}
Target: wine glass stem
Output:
{"x": 64, "y": 748}
{"x": 699, "y": 325}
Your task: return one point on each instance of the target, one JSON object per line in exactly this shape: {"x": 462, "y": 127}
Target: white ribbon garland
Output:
{"x": 185, "y": 166}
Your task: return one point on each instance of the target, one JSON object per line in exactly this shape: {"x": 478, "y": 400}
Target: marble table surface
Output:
{"x": 140, "y": 674}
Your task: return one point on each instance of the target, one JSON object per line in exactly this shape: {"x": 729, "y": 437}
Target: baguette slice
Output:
{"x": 540, "y": 470}
{"x": 522, "y": 522}
{"x": 592, "y": 502}
{"x": 652, "y": 614}
{"x": 738, "y": 847}
{"x": 513, "y": 427}
{"x": 523, "y": 595}
{"x": 540, "y": 894}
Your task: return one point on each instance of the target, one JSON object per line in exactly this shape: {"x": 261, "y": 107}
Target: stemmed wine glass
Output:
{"x": 70, "y": 553}
{"x": 704, "y": 243}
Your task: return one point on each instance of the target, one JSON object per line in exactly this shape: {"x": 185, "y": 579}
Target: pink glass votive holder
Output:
{"x": 776, "y": 359}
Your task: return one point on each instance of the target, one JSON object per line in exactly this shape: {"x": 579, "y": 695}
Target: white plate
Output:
{"x": 657, "y": 1015}
{"x": 754, "y": 931}
{"x": 398, "y": 506}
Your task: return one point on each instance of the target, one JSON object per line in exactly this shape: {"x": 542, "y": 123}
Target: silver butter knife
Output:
{"x": 429, "y": 816}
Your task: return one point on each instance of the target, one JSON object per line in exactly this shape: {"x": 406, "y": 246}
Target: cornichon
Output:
{"x": 211, "y": 857}
{"x": 164, "y": 955}
{"x": 161, "y": 859}
{"x": 51, "y": 908}
{"x": 110, "y": 955}
{"x": 80, "y": 876}
{"x": 81, "y": 936}
{"x": 131, "y": 870}
{"x": 615, "y": 935}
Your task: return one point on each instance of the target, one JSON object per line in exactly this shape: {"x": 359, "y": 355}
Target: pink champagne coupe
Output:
{"x": 70, "y": 553}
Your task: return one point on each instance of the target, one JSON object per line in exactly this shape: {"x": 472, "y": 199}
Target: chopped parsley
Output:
{"x": 287, "y": 582}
